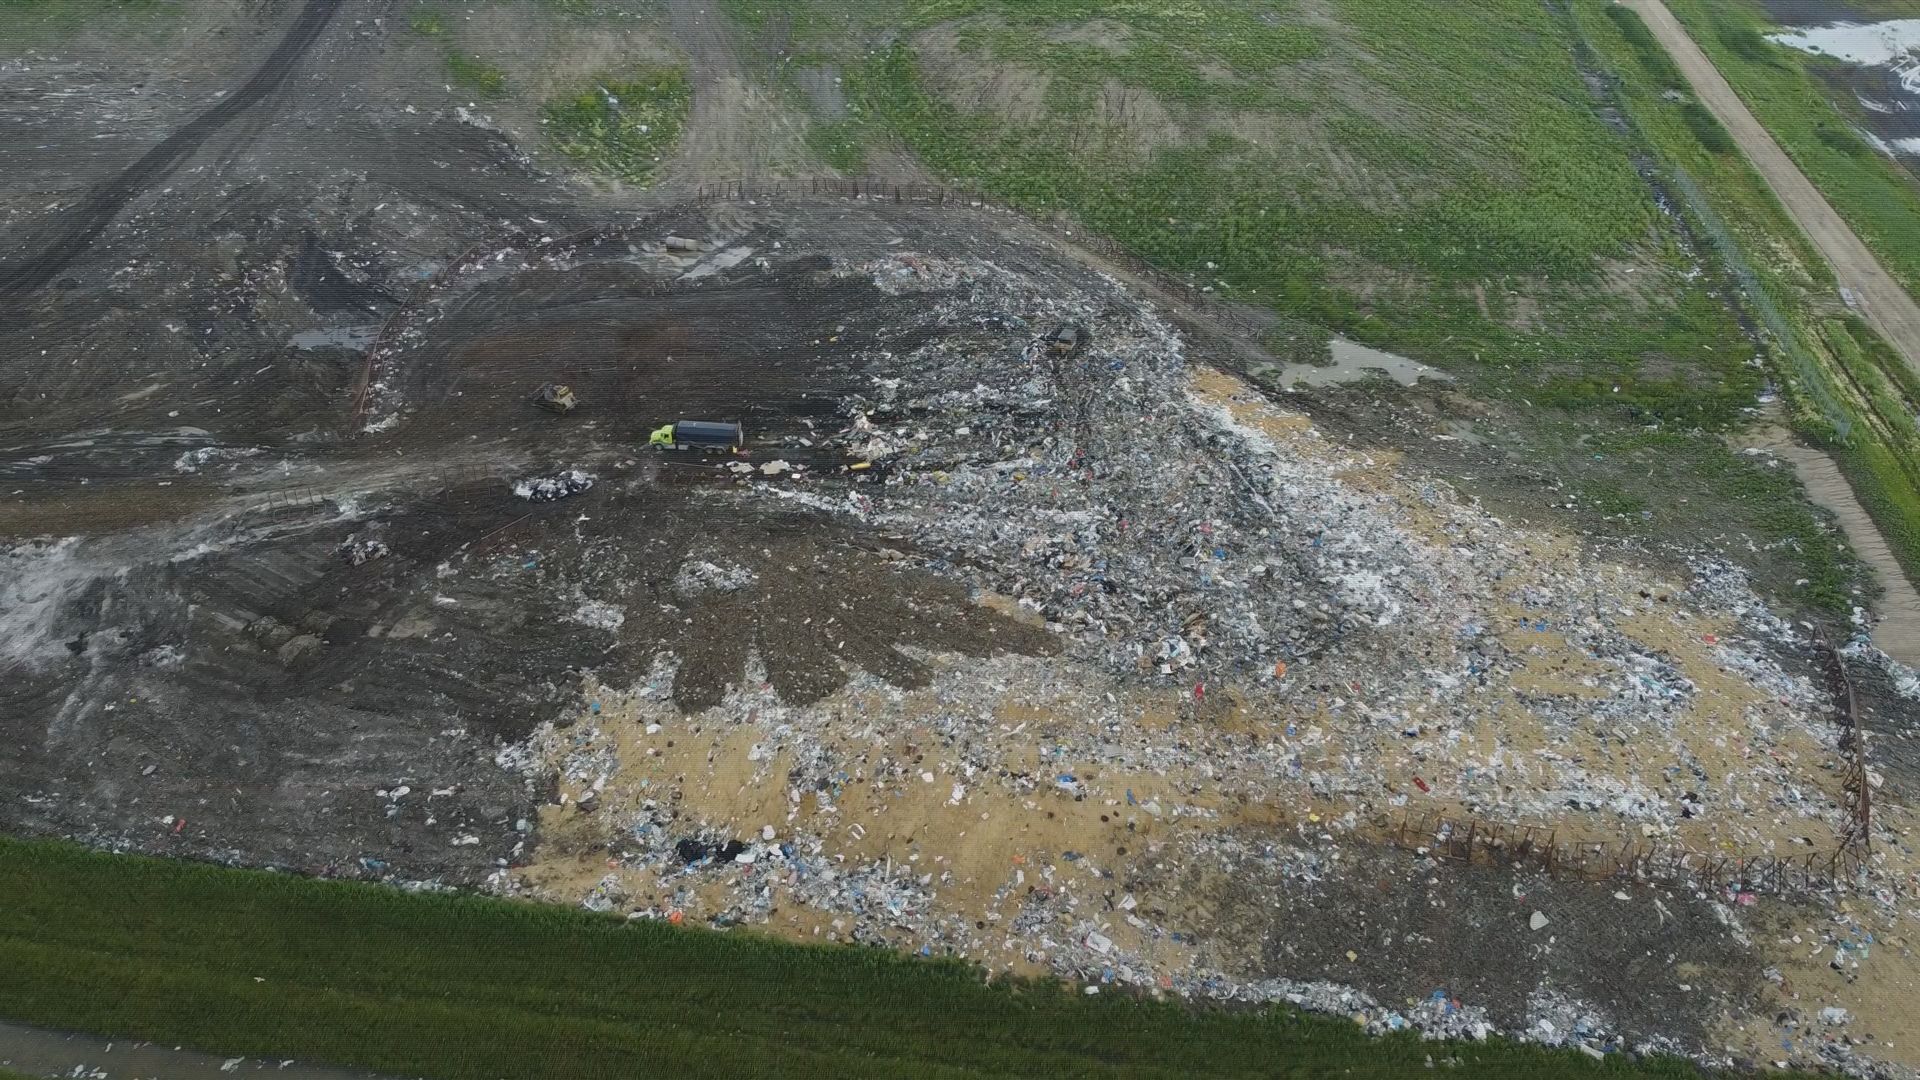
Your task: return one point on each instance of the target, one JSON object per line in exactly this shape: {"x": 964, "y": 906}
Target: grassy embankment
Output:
{"x": 450, "y": 986}
{"x": 622, "y": 126}
{"x": 1430, "y": 178}
{"x": 615, "y": 125}
{"x": 464, "y": 68}
{"x": 1850, "y": 391}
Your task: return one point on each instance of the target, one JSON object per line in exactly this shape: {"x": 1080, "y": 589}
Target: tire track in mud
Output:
{"x": 62, "y": 240}
{"x": 736, "y": 127}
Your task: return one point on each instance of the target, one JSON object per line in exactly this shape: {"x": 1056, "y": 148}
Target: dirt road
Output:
{"x": 1898, "y": 632}
{"x": 738, "y": 127}
{"x": 1881, "y": 299}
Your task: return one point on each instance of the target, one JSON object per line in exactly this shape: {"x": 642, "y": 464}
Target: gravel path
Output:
{"x": 1881, "y": 299}
{"x": 1886, "y": 305}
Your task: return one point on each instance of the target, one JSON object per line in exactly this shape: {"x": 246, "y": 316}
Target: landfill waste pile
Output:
{"x": 1093, "y": 661}
{"x": 1271, "y": 648}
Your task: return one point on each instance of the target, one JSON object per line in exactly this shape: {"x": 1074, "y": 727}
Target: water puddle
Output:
{"x": 1352, "y": 362}
{"x": 39, "y": 1052}
{"x": 1883, "y": 75}
{"x": 1894, "y": 44}
{"x": 339, "y": 337}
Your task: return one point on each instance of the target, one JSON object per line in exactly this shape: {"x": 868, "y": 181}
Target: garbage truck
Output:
{"x": 698, "y": 434}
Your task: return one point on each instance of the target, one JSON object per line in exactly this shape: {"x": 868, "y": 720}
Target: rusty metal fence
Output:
{"x": 1855, "y": 789}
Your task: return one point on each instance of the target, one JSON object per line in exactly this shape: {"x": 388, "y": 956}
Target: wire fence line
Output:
{"x": 1812, "y": 378}
{"x": 1855, "y": 787}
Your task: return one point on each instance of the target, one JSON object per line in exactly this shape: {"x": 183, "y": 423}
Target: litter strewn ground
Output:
{"x": 1104, "y": 665}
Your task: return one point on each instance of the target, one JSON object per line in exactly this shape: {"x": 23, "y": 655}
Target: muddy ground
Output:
{"x": 1101, "y": 664}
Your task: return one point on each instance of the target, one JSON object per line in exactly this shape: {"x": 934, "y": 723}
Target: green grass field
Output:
{"x": 1815, "y": 123}
{"x": 1833, "y": 362}
{"x": 457, "y": 986}
{"x": 1432, "y": 178}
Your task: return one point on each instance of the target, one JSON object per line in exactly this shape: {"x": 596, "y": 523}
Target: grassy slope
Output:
{"x": 1470, "y": 165}
{"x": 1879, "y": 199}
{"x": 621, "y": 127}
{"x": 447, "y": 986}
{"x": 1854, "y": 368}
{"x": 1429, "y": 177}
{"x": 615, "y": 124}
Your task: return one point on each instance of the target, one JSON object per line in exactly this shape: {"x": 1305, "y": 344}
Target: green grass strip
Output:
{"x": 621, "y": 127}
{"x": 455, "y": 986}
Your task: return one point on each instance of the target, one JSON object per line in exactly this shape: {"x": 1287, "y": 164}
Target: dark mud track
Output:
{"x": 60, "y": 241}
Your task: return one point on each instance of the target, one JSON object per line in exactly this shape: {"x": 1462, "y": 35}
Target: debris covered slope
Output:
{"x": 1274, "y": 652}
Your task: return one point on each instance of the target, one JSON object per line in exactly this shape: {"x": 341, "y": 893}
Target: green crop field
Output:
{"x": 441, "y": 985}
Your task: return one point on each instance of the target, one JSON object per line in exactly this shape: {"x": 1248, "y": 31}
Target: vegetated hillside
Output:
{"x": 1448, "y": 181}
{"x": 1807, "y": 104}
{"x": 1428, "y": 176}
{"x": 1849, "y": 389}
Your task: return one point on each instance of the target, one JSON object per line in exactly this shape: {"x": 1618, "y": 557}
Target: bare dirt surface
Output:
{"x": 739, "y": 127}
{"x": 1891, "y": 310}
{"x": 1099, "y": 663}
{"x": 1897, "y": 633}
